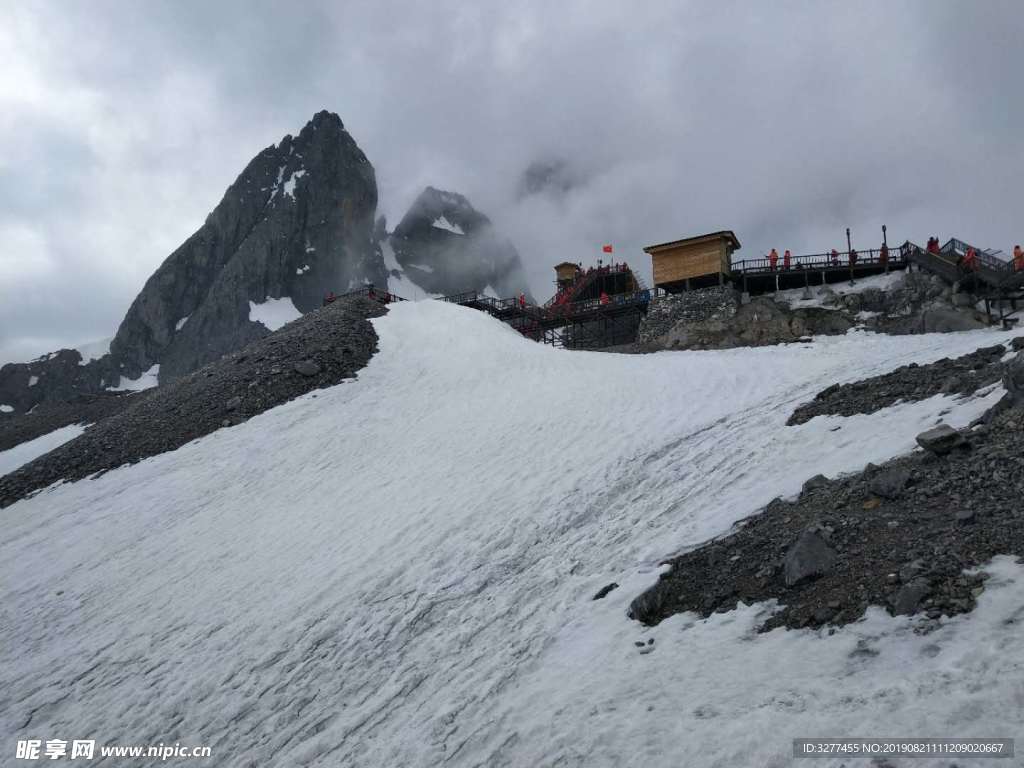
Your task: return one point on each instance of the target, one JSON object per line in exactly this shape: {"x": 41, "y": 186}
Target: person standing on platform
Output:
{"x": 773, "y": 258}
{"x": 970, "y": 262}
{"x": 786, "y": 258}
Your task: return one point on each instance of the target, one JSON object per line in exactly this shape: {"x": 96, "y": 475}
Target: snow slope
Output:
{"x": 23, "y": 453}
{"x": 149, "y": 378}
{"x": 274, "y": 313}
{"x": 397, "y": 571}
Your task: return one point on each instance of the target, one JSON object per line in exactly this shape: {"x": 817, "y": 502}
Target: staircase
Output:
{"x": 995, "y": 281}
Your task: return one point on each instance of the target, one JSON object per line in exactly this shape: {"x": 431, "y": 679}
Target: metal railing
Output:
{"x": 583, "y": 277}
{"x": 817, "y": 262}
{"x": 960, "y": 248}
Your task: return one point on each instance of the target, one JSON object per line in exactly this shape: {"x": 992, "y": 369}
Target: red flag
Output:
{"x": 607, "y": 249}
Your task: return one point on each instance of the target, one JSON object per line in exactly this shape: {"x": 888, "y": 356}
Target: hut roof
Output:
{"x": 567, "y": 264}
{"x": 726, "y": 233}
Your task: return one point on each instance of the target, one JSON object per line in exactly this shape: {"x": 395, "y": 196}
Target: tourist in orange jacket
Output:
{"x": 786, "y": 257}
{"x": 773, "y": 258}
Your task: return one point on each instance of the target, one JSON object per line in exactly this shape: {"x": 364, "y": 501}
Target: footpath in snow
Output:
{"x": 398, "y": 571}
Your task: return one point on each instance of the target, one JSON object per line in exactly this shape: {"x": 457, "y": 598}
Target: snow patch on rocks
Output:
{"x": 441, "y": 222}
{"x": 147, "y": 380}
{"x": 273, "y": 313}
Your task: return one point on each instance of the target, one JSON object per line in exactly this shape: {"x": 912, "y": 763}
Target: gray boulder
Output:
{"x": 946, "y": 320}
{"x": 307, "y": 367}
{"x": 889, "y": 483}
{"x": 940, "y": 440}
{"x": 1013, "y": 380}
{"x": 807, "y": 557}
{"x": 910, "y": 596}
{"x": 813, "y": 483}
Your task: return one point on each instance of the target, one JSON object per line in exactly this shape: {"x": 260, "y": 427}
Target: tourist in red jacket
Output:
{"x": 773, "y": 258}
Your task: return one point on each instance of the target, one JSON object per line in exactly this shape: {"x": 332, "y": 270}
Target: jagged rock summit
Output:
{"x": 444, "y": 245}
{"x": 299, "y": 218}
{"x": 298, "y": 221}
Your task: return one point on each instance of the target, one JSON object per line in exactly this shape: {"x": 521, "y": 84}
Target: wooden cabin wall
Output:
{"x": 708, "y": 258}
{"x": 566, "y": 273}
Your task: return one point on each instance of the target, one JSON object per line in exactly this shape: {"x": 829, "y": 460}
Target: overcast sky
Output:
{"x": 121, "y": 125}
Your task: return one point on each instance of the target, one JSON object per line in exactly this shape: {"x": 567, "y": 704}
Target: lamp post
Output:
{"x": 849, "y": 254}
{"x": 885, "y": 245}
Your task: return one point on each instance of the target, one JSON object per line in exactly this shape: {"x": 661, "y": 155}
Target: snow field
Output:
{"x": 398, "y": 570}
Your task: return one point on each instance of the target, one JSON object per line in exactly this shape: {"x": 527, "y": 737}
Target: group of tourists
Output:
{"x": 851, "y": 256}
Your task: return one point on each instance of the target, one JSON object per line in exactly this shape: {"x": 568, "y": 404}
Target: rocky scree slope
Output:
{"x": 445, "y": 246}
{"x": 49, "y": 416}
{"x": 963, "y": 375}
{"x": 899, "y": 536}
{"x": 320, "y": 349}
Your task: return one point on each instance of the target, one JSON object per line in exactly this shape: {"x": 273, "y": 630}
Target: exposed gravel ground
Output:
{"x": 46, "y": 417}
{"x": 320, "y": 349}
{"x": 963, "y": 375}
{"x": 898, "y": 536}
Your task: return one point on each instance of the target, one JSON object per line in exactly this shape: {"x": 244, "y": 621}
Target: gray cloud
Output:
{"x": 123, "y": 123}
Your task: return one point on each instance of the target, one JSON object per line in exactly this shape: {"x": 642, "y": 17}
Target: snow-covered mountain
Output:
{"x": 443, "y": 245}
{"x": 399, "y": 571}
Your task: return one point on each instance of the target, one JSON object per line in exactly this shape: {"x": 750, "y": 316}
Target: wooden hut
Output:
{"x": 693, "y": 262}
{"x": 566, "y": 272}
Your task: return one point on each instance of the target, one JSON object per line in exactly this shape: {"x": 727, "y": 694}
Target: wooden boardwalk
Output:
{"x": 756, "y": 276}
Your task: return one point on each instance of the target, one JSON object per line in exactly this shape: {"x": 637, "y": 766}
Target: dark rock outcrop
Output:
{"x": 445, "y": 246}
{"x": 56, "y": 377}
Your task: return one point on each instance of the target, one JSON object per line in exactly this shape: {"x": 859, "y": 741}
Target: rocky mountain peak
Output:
{"x": 444, "y": 245}
{"x": 298, "y": 218}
